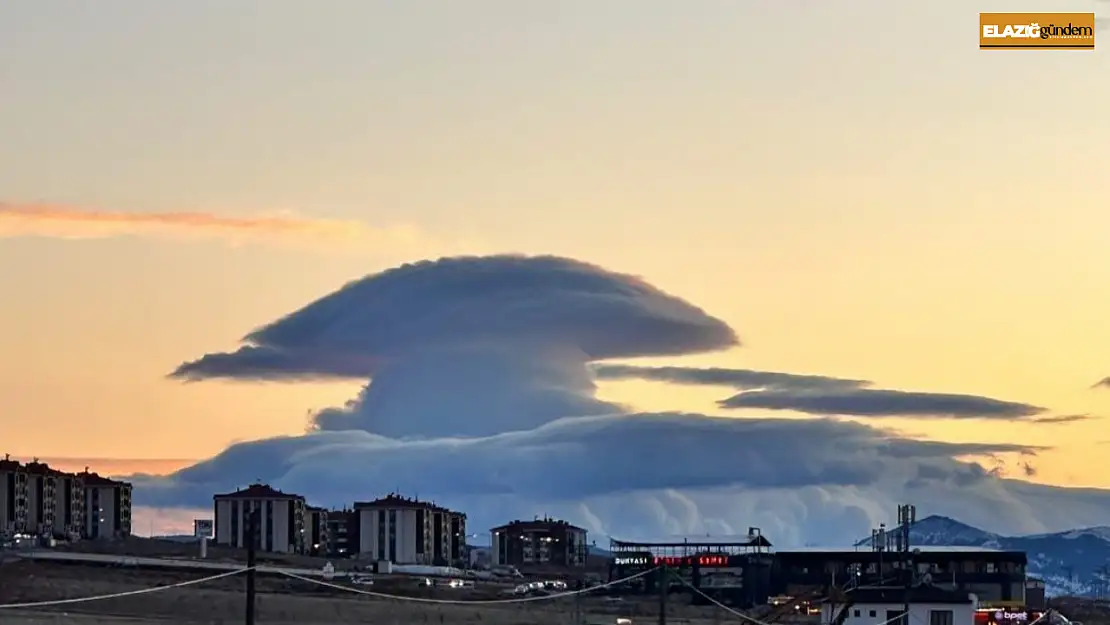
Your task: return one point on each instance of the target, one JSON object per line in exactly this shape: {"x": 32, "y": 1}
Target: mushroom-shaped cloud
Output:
{"x": 470, "y": 346}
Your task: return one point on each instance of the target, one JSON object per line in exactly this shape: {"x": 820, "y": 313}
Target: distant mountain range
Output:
{"x": 1075, "y": 562}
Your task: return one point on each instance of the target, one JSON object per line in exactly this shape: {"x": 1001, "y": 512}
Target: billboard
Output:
{"x": 202, "y": 528}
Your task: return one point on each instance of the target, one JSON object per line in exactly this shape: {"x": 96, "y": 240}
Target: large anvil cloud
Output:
{"x": 470, "y": 346}
{"x": 481, "y": 369}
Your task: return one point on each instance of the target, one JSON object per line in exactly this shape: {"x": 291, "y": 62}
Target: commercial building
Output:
{"x": 538, "y": 542}
{"x": 734, "y": 570}
{"x": 994, "y": 576}
{"x": 281, "y": 526}
{"x": 106, "y": 503}
{"x": 409, "y": 531}
{"x": 928, "y": 605}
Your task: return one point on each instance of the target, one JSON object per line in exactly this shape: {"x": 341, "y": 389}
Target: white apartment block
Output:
{"x": 281, "y": 524}
{"x": 408, "y": 531}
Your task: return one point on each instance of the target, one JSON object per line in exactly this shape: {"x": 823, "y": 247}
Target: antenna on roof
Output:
{"x": 35, "y": 460}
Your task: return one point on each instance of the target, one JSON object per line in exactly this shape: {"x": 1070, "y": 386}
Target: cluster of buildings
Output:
{"x": 398, "y": 529}
{"x": 41, "y": 501}
{"x": 745, "y": 572}
{"x": 38, "y": 500}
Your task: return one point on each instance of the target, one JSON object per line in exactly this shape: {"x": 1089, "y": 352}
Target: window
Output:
{"x": 940, "y": 617}
{"x": 896, "y": 617}
{"x": 872, "y": 614}
{"x": 855, "y": 613}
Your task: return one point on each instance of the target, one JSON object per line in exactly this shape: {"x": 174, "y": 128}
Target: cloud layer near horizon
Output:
{"x": 69, "y": 222}
{"x": 480, "y": 368}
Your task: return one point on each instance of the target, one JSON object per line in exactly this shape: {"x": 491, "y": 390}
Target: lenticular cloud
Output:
{"x": 480, "y": 394}
{"x": 470, "y": 346}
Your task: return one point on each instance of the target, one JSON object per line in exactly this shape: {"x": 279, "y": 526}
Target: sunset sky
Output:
{"x": 852, "y": 185}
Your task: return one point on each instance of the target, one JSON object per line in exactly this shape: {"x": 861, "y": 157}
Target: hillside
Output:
{"x": 1073, "y": 562}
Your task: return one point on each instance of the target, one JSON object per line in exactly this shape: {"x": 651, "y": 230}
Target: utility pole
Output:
{"x": 664, "y": 588}
{"x": 253, "y": 522}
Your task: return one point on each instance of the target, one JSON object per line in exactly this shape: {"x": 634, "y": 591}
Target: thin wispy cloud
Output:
{"x": 1066, "y": 418}
{"x": 70, "y": 222}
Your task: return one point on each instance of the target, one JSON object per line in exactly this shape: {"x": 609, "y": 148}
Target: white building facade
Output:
{"x": 408, "y": 531}
{"x": 886, "y": 606}
{"x": 281, "y": 521}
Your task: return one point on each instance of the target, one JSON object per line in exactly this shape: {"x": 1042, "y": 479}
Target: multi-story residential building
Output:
{"x": 13, "y": 497}
{"x": 540, "y": 541}
{"x": 107, "y": 506}
{"x": 410, "y": 531}
{"x": 39, "y": 500}
{"x": 42, "y": 482}
{"x": 69, "y": 497}
{"x": 281, "y": 526}
{"x": 318, "y": 540}
{"x": 342, "y": 533}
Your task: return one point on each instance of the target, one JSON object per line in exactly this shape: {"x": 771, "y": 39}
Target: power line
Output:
{"x": 382, "y": 595}
{"x": 129, "y": 593}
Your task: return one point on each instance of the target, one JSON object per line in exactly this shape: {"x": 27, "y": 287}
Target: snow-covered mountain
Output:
{"x": 1075, "y": 562}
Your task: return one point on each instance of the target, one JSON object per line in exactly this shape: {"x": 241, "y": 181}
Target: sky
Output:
{"x": 852, "y": 186}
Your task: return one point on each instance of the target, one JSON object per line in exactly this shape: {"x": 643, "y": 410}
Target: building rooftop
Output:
{"x": 395, "y": 501}
{"x": 867, "y": 549}
{"x": 34, "y": 467}
{"x": 537, "y": 524}
{"x": 257, "y": 491}
{"x": 91, "y": 478}
{"x": 754, "y": 539}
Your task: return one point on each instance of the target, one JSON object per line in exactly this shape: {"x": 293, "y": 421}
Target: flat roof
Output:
{"x": 744, "y": 540}
{"x": 537, "y": 525}
{"x": 257, "y": 491}
{"x": 923, "y": 549}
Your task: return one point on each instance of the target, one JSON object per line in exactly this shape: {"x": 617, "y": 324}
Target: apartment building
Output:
{"x": 13, "y": 498}
{"x": 409, "y": 531}
{"x": 39, "y": 500}
{"x": 106, "y": 505}
{"x": 282, "y": 523}
{"x": 539, "y": 542}
{"x": 318, "y": 539}
{"x": 342, "y": 533}
{"x": 42, "y": 500}
{"x": 69, "y": 497}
